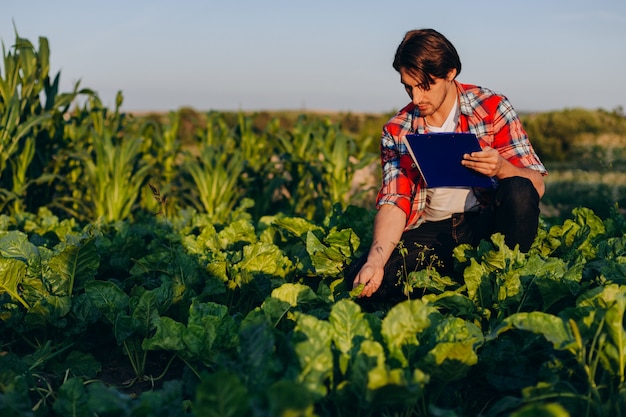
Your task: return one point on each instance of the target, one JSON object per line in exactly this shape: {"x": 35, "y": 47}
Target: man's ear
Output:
{"x": 451, "y": 74}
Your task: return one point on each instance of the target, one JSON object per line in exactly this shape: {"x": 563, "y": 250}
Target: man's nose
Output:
{"x": 416, "y": 95}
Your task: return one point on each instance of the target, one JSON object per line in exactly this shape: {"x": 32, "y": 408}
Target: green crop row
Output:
{"x": 184, "y": 317}
{"x": 96, "y": 164}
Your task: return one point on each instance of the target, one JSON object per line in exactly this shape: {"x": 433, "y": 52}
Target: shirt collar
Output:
{"x": 465, "y": 104}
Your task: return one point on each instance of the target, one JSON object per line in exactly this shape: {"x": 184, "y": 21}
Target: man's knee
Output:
{"x": 518, "y": 196}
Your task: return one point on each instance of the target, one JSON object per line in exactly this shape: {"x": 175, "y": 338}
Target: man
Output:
{"x": 432, "y": 221}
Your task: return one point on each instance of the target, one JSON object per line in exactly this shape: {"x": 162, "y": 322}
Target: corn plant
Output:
{"x": 340, "y": 158}
{"x": 214, "y": 187}
{"x": 162, "y": 152}
{"x": 30, "y": 131}
{"x": 302, "y": 178}
{"x": 110, "y": 166}
{"x": 320, "y": 161}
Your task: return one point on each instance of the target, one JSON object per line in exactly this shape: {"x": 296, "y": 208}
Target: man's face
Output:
{"x": 437, "y": 98}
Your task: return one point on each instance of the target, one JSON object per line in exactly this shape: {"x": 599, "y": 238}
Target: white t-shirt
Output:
{"x": 443, "y": 202}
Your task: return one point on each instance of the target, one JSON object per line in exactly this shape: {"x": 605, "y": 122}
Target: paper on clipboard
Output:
{"x": 438, "y": 157}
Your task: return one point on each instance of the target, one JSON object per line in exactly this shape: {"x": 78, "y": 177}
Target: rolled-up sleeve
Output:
{"x": 398, "y": 175}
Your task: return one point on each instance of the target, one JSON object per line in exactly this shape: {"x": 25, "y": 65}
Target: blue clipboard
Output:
{"x": 438, "y": 157}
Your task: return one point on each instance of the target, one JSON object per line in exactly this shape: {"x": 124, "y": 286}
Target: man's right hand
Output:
{"x": 371, "y": 277}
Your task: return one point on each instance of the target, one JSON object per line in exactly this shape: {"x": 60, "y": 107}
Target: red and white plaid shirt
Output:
{"x": 490, "y": 116}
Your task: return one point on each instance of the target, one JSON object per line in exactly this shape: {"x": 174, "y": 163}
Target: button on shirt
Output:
{"x": 490, "y": 116}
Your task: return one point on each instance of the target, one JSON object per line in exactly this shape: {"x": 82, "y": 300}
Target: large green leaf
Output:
{"x": 146, "y": 313}
{"x": 12, "y": 272}
{"x": 349, "y": 329}
{"x": 221, "y": 394}
{"x": 168, "y": 336}
{"x": 554, "y": 329}
{"x": 72, "y": 399}
{"x": 402, "y": 325}
{"x": 74, "y": 266}
{"x": 453, "y": 349}
{"x": 287, "y": 398}
{"x": 377, "y": 385}
{"x": 15, "y": 244}
{"x": 108, "y": 298}
{"x": 611, "y": 301}
{"x": 479, "y": 284}
{"x": 265, "y": 258}
{"x": 294, "y": 294}
{"x": 327, "y": 260}
{"x": 314, "y": 353}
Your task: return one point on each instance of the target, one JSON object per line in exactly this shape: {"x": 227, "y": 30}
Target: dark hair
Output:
{"x": 426, "y": 54}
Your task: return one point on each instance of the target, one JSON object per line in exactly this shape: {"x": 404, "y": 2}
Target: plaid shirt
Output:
{"x": 488, "y": 115}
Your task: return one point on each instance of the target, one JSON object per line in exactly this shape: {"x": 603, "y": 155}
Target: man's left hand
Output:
{"x": 488, "y": 161}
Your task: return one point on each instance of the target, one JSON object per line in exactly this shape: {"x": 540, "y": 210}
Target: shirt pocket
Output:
{"x": 409, "y": 167}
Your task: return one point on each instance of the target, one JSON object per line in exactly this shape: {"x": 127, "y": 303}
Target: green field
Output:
{"x": 190, "y": 263}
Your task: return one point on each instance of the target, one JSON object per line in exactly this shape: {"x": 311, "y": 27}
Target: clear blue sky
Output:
{"x": 323, "y": 54}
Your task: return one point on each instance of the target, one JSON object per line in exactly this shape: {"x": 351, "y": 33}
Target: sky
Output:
{"x": 327, "y": 55}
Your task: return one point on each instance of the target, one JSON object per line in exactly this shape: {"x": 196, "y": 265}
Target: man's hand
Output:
{"x": 371, "y": 276}
{"x": 488, "y": 161}
{"x": 491, "y": 163}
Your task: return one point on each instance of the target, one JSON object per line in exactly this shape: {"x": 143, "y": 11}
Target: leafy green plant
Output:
{"x": 31, "y": 111}
{"x": 215, "y": 179}
{"x": 113, "y": 168}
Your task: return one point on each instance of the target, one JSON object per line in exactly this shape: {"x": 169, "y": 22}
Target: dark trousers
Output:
{"x": 514, "y": 212}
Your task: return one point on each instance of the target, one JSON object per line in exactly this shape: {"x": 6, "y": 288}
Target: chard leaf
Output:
{"x": 478, "y": 282}
{"x": 73, "y": 267}
{"x": 265, "y": 258}
{"x": 541, "y": 410}
{"x": 554, "y": 329}
{"x": 349, "y": 325}
{"x": 615, "y": 346}
{"x": 327, "y": 260}
{"x": 296, "y": 226}
{"x": 345, "y": 240}
{"x": 240, "y": 232}
{"x": 314, "y": 353}
{"x": 553, "y": 279}
{"x": 577, "y": 235}
{"x": 108, "y": 298}
{"x": 72, "y": 399}
{"x": 80, "y": 364}
{"x": 57, "y": 307}
{"x": 430, "y": 280}
{"x": 457, "y": 304}
{"x": 501, "y": 257}
{"x": 274, "y": 310}
{"x": 146, "y": 314}
{"x": 221, "y": 394}
{"x": 349, "y": 329}
{"x": 257, "y": 354}
{"x": 168, "y": 336}
{"x": 454, "y": 343}
{"x": 124, "y": 327}
{"x": 210, "y": 329}
{"x": 12, "y": 271}
{"x": 378, "y": 384}
{"x": 369, "y": 371}
{"x": 294, "y": 294}
{"x": 106, "y": 400}
{"x": 14, "y": 398}
{"x": 287, "y": 398}
{"x": 402, "y": 325}
{"x": 15, "y": 244}
{"x": 167, "y": 401}
{"x": 609, "y": 306}
{"x": 509, "y": 289}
